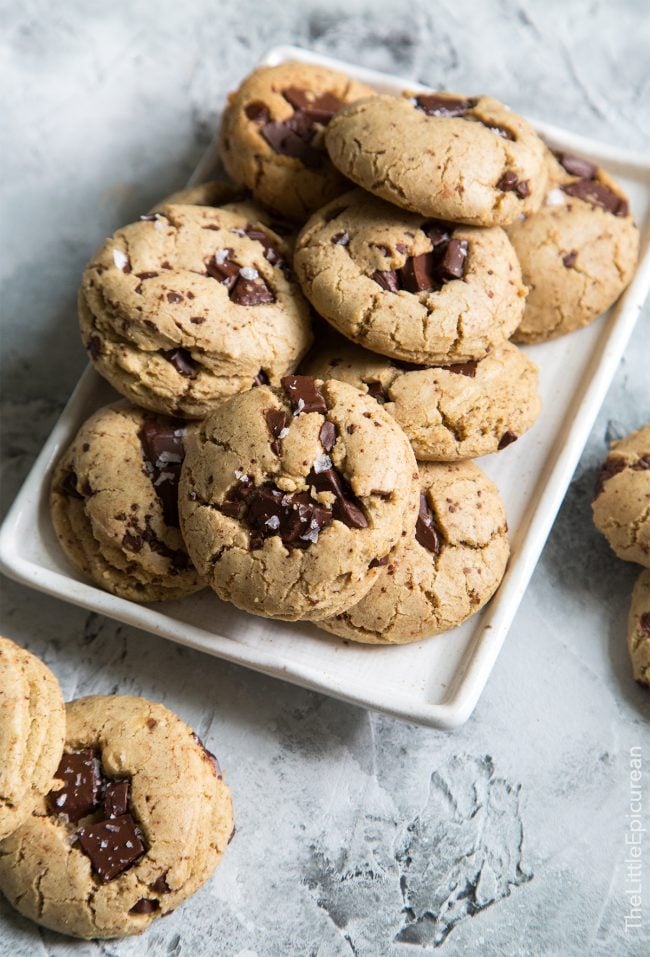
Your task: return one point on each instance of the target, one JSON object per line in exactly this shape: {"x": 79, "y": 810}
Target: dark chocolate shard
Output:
{"x": 598, "y": 195}
{"x": 303, "y": 394}
{"x": 251, "y": 292}
{"x": 510, "y": 183}
{"x": 612, "y": 465}
{"x": 116, "y": 798}
{"x": 444, "y": 105}
{"x": 463, "y": 368}
{"x": 277, "y": 422}
{"x": 327, "y": 435}
{"x": 112, "y": 846}
{"x": 346, "y": 508}
{"x": 163, "y": 452}
{"x": 577, "y": 166}
{"x": 79, "y": 796}
{"x": 145, "y": 906}
{"x": 507, "y": 439}
{"x": 426, "y": 531}
{"x": 387, "y": 279}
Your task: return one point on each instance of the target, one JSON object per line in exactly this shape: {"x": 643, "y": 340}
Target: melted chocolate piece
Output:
{"x": 419, "y": 273}
{"x": 296, "y": 517}
{"x": 303, "y": 394}
{"x": 376, "y": 390}
{"x": 507, "y": 439}
{"x": 79, "y": 796}
{"x": 321, "y": 108}
{"x": 163, "y": 451}
{"x": 327, "y": 435}
{"x": 112, "y": 846}
{"x": 510, "y": 183}
{"x": 428, "y": 271}
{"x": 611, "y": 466}
{"x": 160, "y": 885}
{"x": 134, "y": 539}
{"x": 598, "y": 195}
{"x": 577, "y": 166}
{"x": 642, "y": 464}
{"x": 340, "y": 239}
{"x": 463, "y": 368}
{"x": 145, "y": 906}
{"x": 94, "y": 347}
{"x": 293, "y": 137}
{"x": 387, "y": 279}
{"x": 453, "y": 261}
{"x": 224, "y": 270}
{"x": 570, "y": 258}
{"x": 347, "y": 508}
{"x": 182, "y": 361}
{"x": 257, "y": 112}
{"x": 438, "y": 104}
{"x": 174, "y": 297}
{"x": 69, "y": 486}
{"x": 236, "y": 496}
{"x": 426, "y": 531}
{"x": 277, "y": 421}
{"x": 116, "y": 798}
{"x": 251, "y": 292}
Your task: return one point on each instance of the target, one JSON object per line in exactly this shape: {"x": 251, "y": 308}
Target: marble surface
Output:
{"x": 357, "y": 834}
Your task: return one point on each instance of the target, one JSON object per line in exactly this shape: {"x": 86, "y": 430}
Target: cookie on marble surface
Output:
{"x": 271, "y": 137}
{"x": 638, "y": 629}
{"x": 191, "y": 305}
{"x": 291, "y": 499}
{"x": 415, "y": 289}
{"x": 468, "y": 160}
{"x": 137, "y": 819}
{"x": 621, "y": 505}
{"x": 577, "y": 252}
{"x": 114, "y": 504}
{"x": 442, "y": 573}
{"x": 447, "y": 412}
{"x": 32, "y": 731}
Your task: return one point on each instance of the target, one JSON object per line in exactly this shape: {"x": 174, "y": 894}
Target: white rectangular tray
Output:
{"x": 435, "y": 682}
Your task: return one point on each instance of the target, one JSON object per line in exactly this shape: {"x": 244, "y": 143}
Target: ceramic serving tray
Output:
{"x": 436, "y": 682}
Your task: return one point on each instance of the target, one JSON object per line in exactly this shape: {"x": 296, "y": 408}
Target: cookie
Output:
{"x": 442, "y": 573}
{"x": 638, "y": 629}
{"x": 137, "y": 819}
{"x": 291, "y": 499}
{"x": 407, "y": 287}
{"x": 32, "y": 730}
{"x": 468, "y": 160}
{"x": 271, "y": 137}
{"x": 447, "y": 412}
{"x": 621, "y": 505}
{"x": 114, "y": 504}
{"x": 577, "y": 252}
{"x": 189, "y": 306}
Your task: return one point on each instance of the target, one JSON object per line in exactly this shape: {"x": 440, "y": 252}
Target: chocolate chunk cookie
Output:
{"x": 114, "y": 504}
{"x": 190, "y": 305}
{"x": 32, "y": 730}
{"x": 409, "y": 287}
{"x": 290, "y": 499}
{"x": 638, "y": 629}
{"x": 465, "y": 159}
{"x": 577, "y": 252}
{"x": 442, "y": 573}
{"x": 137, "y": 819}
{"x": 621, "y": 505}
{"x": 448, "y": 412}
{"x": 271, "y": 136}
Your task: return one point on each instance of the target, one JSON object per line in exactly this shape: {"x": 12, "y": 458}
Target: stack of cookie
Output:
{"x": 621, "y": 511}
{"x": 333, "y": 485}
{"x": 112, "y": 812}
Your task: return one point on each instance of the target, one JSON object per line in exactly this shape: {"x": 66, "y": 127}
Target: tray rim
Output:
{"x": 482, "y": 651}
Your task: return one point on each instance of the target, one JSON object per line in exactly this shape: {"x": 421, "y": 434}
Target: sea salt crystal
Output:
{"x": 273, "y": 522}
{"x": 129, "y": 844}
{"x": 241, "y": 475}
{"x": 555, "y": 198}
{"x": 299, "y": 407}
{"x": 283, "y": 433}
{"x": 120, "y": 259}
{"x": 311, "y": 535}
{"x": 164, "y": 477}
{"x": 168, "y": 458}
{"x": 220, "y": 256}
{"x": 103, "y": 845}
{"x": 322, "y": 464}
{"x": 60, "y": 801}
{"x": 161, "y": 221}
{"x": 249, "y": 273}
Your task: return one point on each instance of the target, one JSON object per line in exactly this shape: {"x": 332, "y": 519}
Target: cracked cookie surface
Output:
{"x": 290, "y": 499}
{"x": 621, "y": 505}
{"x": 638, "y": 629}
{"x": 468, "y": 160}
{"x": 137, "y": 820}
{"x": 190, "y": 305}
{"x": 271, "y": 136}
{"x": 577, "y": 252}
{"x": 442, "y": 574}
{"x": 415, "y": 289}
{"x": 32, "y": 731}
{"x": 114, "y": 504}
{"x": 448, "y": 413}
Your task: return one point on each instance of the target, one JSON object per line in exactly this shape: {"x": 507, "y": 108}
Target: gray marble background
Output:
{"x": 357, "y": 834}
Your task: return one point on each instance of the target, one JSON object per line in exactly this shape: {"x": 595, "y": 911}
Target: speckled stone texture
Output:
{"x": 356, "y": 834}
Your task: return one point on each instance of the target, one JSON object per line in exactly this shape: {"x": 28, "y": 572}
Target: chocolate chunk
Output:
{"x": 570, "y": 258}
{"x": 116, "y": 798}
{"x": 644, "y": 622}
{"x": 453, "y": 261}
{"x": 250, "y": 292}
{"x": 378, "y": 562}
{"x": 507, "y": 439}
{"x": 510, "y": 183}
{"x": 270, "y": 252}
{"x": 182, "y": 361}
{"x": 598, "y": 195}
{"x": 295, "y": 517}
{"x": 376, "y": 390}
{"x": 174, "y": 297}
{"x": 112, "y": 846}
{"x": 642, "y": 464}
{"x": 163, "y": 452}
{"x": 236, "y": 496}
{"x": 261, "y": 378}
{"x": 387, "y": 279}
{"x": 437, "y": 232}
{"x": 69, "y": 486}
{"x": 79, "y": 795}
{"x": 419, "y": 273}
{"x": 132, "y": 542}
{"x": 277, "y": 421}
{"x": 426, "y": 531}
{"x": 145, "y": 906}
{"x": 319, "y": 109}
{"x": 303, "y": 394}
{"x": 611, "y": 466}
{"x": 94, "y": 347}
{"x": 577, "y": 166}
{"x": 463, "y": 368}
{"x": 347, "y": 508}
{"x": 222, "y": 268}
{"x": 327, "y": 435}
{"x": 160, "y": 885}
{"x": 257, "y": 112}
{"x": 438, "y": 104}
{"x": 292, "y": 138}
